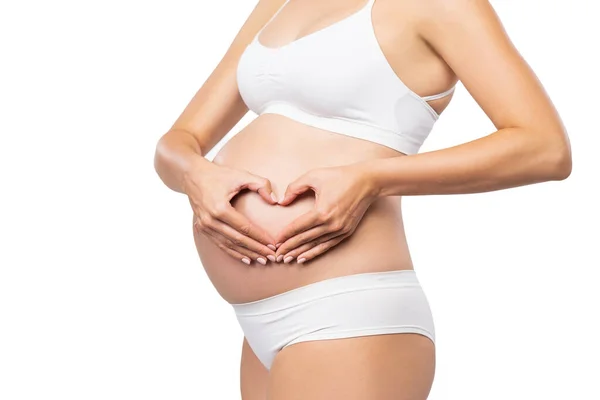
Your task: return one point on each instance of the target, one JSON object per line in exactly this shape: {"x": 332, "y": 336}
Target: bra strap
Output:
{"x": 272, "y": 18}
{"x": 439, "y": 95}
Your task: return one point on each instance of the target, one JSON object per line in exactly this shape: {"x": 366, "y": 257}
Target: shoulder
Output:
{"x": 439, "y": 15}
{"x": 453, "y": 14}
{"x": 270, "y": 4}
{"x": 467, "y": 24}
{"x": 430, "y": 13}
{"x": 450, "y": 7}
{"x": 265, "y": 9}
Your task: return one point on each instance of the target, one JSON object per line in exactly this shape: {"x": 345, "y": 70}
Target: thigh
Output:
{"x": 378, "y": 367}
{"x": 253, "y": 375}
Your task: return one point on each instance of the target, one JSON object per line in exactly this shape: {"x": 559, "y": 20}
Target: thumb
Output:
{"x": 295, "y": 189}
{"x": 262, "y": 186}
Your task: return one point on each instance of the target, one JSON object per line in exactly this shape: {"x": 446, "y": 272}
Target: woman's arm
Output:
{"x": 530, "y": 145}
{"x": 211, "y": 113}
{"x": 180, "y": 163}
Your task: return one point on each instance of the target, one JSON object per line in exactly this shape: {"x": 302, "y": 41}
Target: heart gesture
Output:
{"x": 342, "y": 196}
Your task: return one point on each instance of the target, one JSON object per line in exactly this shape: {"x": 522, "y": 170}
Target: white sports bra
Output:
{"x": 337, "y": 79}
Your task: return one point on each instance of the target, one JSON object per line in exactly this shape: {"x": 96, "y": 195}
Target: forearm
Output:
{"x": 178, "y": 155}
{"x": 507, "y": 158}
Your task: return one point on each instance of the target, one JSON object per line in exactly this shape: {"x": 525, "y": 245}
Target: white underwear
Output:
{"x": 363, "y": 304}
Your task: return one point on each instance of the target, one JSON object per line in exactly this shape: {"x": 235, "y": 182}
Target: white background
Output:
{"x": 102, "y": 295}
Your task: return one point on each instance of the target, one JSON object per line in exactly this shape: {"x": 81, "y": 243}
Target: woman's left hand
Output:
{"x": 342, "y": 196}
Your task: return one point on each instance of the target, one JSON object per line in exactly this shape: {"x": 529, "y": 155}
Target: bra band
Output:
{"x": 439, "y": 95}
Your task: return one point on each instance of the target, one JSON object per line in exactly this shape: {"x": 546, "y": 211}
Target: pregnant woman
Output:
{"x": 297, "y": 219}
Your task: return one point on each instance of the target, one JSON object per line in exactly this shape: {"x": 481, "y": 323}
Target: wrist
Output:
{"x": 195, "y": 166}
{"x": 370, "y": 180}
{"x": 376, "y": 173}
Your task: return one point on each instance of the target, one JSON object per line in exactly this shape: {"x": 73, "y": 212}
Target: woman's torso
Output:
{"x": 281, "y": 149}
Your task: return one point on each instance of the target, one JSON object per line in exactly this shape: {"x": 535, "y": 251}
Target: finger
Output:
{"x": 262, "y": 186}
{"x": 310, "y": 236}
{"x": 320, "y": 249}
{"x": 235, "y": 240}
{"x": 241, "y": 224}
{"x": 197, "y": 226}
{"x": 297, "y": 251}
{"x": 301, "y": 224}
{"x": 296, "y": 188}
{"x": 219, "y": 241}
{"x": 241, "y": 253}
{"x": 243, "y": 243}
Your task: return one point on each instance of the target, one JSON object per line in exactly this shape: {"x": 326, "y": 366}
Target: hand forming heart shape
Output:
{"x": 342, "y": 196}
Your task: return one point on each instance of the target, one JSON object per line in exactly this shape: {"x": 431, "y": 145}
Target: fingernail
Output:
{"x": 273, "y": 197}
{"x": 280, "y": 258}
{"x": 272, "y": 247}
{"x": 272, "y": 258}
{"x": 301, "y": 260}
{"x": 261, "y": 260}
{"x": 246, "y": 260}
{"x": 277, "y": 245}
{"x": 288, "y": 259}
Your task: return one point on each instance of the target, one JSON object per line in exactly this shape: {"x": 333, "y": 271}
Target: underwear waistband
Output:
{"x": 329, "y": 287}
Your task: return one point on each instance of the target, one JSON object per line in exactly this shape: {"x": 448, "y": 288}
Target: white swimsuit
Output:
{"x": 353, "y": 91}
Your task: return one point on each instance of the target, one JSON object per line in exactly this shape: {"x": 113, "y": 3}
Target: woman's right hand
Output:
{"x": 210, "y": 190}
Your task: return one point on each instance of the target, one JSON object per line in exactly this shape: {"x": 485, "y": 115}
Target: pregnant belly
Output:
{"x": 281, "y": 150}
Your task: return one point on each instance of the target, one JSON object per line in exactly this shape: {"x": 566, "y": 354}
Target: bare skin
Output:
{"x": 382, "y": 367}
{"x": 253, "y": 375}
{"x": 374, "y": 367}
{"x": 429, "y": 44}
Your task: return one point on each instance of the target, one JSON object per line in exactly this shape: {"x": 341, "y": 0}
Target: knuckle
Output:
{"x": 204, "y": 220}
{"x": 222, "y": 246}
{"x": 338, "y": 226}
{"x": 196, "y": 224}
{"x": 313, "y": 244}
{"x": 231, "y": 252}
{"x": 322, "y": 216}
{"x": 311, "y": 254}
{"x": 245, "y": 230}
{"x": 335, "y": 241}
{"x": 238, "y": 241}
{"x": 298, "y": 238}
{"x": 350, "y": 229}
{"x": 291, "y": 235}
{"x": 320, "y": 248}
{"x": 326, "y": 246}
{"x": 219, "y": 211}
{"x": 346, "y": 229}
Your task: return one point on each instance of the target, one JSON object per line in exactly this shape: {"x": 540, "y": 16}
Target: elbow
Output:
{"x": 559, "y": 160}
{"x": 158, "y": 151}
{"x": 161, "y": 155}
{"x": 562, "y": 166}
